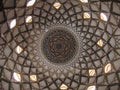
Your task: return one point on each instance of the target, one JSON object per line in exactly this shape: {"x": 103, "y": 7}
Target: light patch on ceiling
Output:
{"x": 86, "y": 15}
{"x": 57, "y": 5}
{"x": 100, "y": 43}
{"x": 91, "y": 72}
{"x": 19, "y": 49}
{"x": 17, "y": 76}
{"x": 31, "y": 3}
{"x": 28, "y": 19}
{"x": 103, "y": 17}
{"x": 63, "y": 87}
{"x": 12, "y": 24}
{"x": 91, "y": 87}
{"x": 84, "y": 1}
{"x": 107, "y": 68}
{"x": 33, "y": 77}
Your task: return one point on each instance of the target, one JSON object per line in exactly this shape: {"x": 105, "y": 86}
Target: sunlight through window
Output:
{"x": 19, "y": 49}
{"x": 91, "y": 87}
{"x": 28, "y": 19}
{"x": 100, "y": 43}
{"x": 63, "y": 87}
{"x": 17, "y": 76}
{"x": 31, "y": 3}
{"x": 107, "y": 68}
{"x": 57, "y": 5}
{"x": 12, "y": 24}
{"x": 103, "y": 17}
{"x": 33, "y": 77}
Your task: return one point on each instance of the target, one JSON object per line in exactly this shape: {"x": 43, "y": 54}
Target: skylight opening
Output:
{"x": 91, "y": 87}
{"x": 86, "y": 15}
{"x": 12, "y": 24}
{"x": 19, "y": 49}
{"x": 84, "y": 1}
{"x": 31, "y": 3}
{"x": 63, "y": 87}
{"x": 100, "y": 43}
{"x": 28, "y": 19}
{"x": 17, "y": 77}
{"x": 107, "y": 68}
{"x": 57, "y": 5}
{"x": 33, "y": 77}
{"x": 91, "y": 72}
{"x": 103, "y": 17}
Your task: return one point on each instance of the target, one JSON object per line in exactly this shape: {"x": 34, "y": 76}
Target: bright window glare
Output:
{"x": 28, "y": 19}
{"x": 86, "y": 15}
{"x": 100, "y": 43}
{"x": 91, "y": 72}
{"x": 84, "y": 1}
{"x": 31, "y": 3}
{"x": 107, "y": 68}
{"x": 57, "y": 5}
{"x": 17, "y": 76}
{"x": 19, "y": 49}
{"x": 12, "y": 24}
{"x": 91, "y": 88}
{"x": 63, "y": 87}
{"x": 33, "y": 77}
{"x": 103, "y": 17}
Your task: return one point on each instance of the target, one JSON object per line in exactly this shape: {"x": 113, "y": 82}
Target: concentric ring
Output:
{"x": 59, "y": 45}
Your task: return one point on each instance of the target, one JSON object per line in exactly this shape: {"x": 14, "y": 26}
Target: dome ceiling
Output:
{"x": 59, "y": 45}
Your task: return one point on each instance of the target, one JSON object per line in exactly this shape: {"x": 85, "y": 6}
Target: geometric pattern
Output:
{"x": 59, "y": 46}
{"x": 44, "y": 15}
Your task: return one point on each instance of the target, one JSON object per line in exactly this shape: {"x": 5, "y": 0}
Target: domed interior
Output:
{"x": 59, "y": 45}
